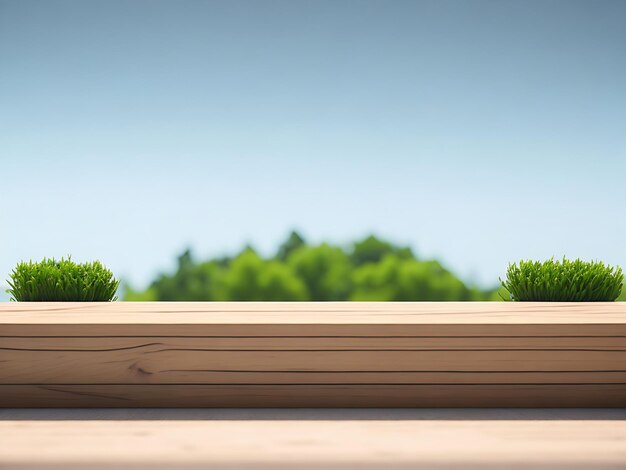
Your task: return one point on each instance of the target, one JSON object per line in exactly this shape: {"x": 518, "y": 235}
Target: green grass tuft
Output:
{"x": 62, "y": 281}
{"x": 563, "y": 281}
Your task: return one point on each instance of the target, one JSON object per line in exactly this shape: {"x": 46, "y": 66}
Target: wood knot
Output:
{"x": 138, "y": 370}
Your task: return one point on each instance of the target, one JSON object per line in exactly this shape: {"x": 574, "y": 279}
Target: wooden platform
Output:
{"x": 448, "y": 354}
{"x": 313, "y": 444}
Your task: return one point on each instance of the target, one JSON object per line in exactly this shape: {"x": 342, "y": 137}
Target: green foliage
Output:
{"x": 192, "y": 281}
{"x": 324, "y": 269}
{"x": 499, "y": 293}
{"x": 394, "y": 278}
{"x": 563, "y": 281}
{"x": 372, "y": 269}
{"x": 293, "y": 242}
{"x": 372, "y": 250}
{"x": 62, "y": 281}
{"x": 252, "y": 278}
{"x": 130, "y": 294}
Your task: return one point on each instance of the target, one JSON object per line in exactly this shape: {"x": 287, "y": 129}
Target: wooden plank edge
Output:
{"x": 314, "y": 396}
{"x": 301, "y": 330}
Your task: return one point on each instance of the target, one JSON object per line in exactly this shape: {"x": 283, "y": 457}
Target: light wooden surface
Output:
{"x": 313, "y": 444}
{"x": 313, "y": 354}
{"x": 312, "y": 319}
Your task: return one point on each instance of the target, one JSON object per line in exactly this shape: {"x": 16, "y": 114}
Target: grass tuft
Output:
{"x": 62, "y": 281}
{"x": 563, "y": 281}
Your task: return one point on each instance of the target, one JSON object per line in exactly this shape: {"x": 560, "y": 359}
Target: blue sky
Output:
{"x": 478, "y": 132}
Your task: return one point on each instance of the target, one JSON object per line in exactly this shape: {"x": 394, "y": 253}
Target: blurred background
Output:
{"x": 324, "y": 150}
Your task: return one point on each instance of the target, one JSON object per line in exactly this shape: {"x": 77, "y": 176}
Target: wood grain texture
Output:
{"x": 315, "y": 396}
{"x": 155, "y": 363}
{"x": 312, "y": 319}
{"x": 312, "y": 444}
{"x": 313, "y": 354}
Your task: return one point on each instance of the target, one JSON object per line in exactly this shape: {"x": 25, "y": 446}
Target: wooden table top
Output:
{"x": 313, "y": 443}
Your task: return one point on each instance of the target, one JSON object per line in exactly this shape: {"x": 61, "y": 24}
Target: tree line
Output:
{"x": 370, "y": 269}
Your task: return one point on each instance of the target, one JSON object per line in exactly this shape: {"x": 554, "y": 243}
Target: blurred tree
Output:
{"x": 251, "y": 278}
{"x": 394, "y": 278}
{"x": 133, "y": 295}
{"x": 190, "y": 282}
{"x": 373, "y": 270}
{"x": 324, "y": 269}
{"x": 372, "y": 250}
{"x": 293, "y": 242}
